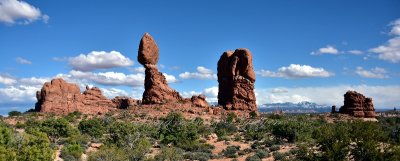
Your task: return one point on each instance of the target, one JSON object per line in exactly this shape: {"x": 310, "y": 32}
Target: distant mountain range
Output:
{"x": 301, "y": 107}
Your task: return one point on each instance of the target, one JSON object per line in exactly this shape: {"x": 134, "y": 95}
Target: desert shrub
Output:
{"x": 175, "y": 130}
{"x": 200, "y": 156}
{"x": 82, "y": 140}
{"x": 107, "y": 153}
{"x": 292, "y": 130}
{"x": 366, "y": 136}
{"x": 275, "y": 148}
{"x": 123, "y": 134}
{"x": 279, "y": 156}
{"x": 253, "y": 114}
{"x": 54, "y": 128}
{"x": 93, "y": 127}
{"x": 7, "y": 154}
{"x": 129, "y": 137}
{"x": 73, "y": 116}
{"x": 275, "y": 116}
{"x": 139, "y": 150}
{"x": 224, "y": 128}
{"x": 253, "y": 158}
{"x": 231, "y": 151}
{"x": 262, "y": 153}
{"x": 255, "y": 131}
{"x": 14, "y": 113}
{"x": 33, "y": 146}
{"x": 333, "y": 141}
{"x": 170, "y": 153}
{"x": 71, "y": 152}
{"x": 231, "y": 117}
{"x": 6, "y": 136}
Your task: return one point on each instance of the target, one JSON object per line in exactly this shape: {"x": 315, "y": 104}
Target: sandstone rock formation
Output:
{"x": 357, "y": 105}
{"x": 124, "y": 102}
{"x": 61, "y": 97}
{"x": 236, "y": 80}
{"x": 199, "y": 101}
{"x": 156, "y": 88}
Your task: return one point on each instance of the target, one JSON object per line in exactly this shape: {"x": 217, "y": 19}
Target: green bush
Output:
{"x": 14, "y": 113}
{"x": 224, "y": 128}
{"x": 54, "y": 128}
{"x": 230, "y": 151}
{"x": 106, "y": 153}
{"x": 71, "y": 152}
{"x": 7, "y": 154}
{"x": 279, "y": 156}
{"x": 200, "y": 156}
{"x": 275, "y": 148}
{"x": 333, "y": 140}
{"x": 169, "y": 153}
{"x": 93, "y": 127}
{"x": 261, "y": 153}
{"x": 34, "y": 147}
{"x": 253, "y": 158}
{"x": 175, "y": 130}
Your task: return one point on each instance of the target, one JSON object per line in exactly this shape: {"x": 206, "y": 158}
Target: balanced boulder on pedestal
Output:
{"x": 156, "y": 88}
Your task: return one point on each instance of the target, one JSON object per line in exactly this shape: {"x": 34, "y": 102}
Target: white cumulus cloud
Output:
{"x": 376, "y": 72}
{"x": 391, "y": 50}
{"x": 296, "y": 71}
{"x": 7, "y": 80}
{"x": 99, "y": 60}
{"x": 202, "y": 73}
{"x": 326, "y": 50}
{"x": 20, "y": 12}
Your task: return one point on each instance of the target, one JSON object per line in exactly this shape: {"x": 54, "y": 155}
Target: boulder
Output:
{"x": 124, "y": 102}
{"x": 357, "y": 105}
{"x": 236, "y": 80}
{"x": 199, "y": 101}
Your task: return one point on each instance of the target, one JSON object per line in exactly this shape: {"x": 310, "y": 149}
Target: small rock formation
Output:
{"x": 357, "y": 105}
{"x": 156, "y": 88}
{"x": 94, "y": 98}
{"x": 124, "y": 102}
{"x": 333, "y": 109}
{"x": 60, "y": 97}
{"x": 236, "y": 79}
{"x": 199, "y": 101}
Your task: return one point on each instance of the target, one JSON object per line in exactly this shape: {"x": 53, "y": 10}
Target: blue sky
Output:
{"x": 302, "y": 50}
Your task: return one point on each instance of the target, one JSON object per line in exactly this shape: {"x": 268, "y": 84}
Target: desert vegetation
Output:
{"x": 119, "y": 136}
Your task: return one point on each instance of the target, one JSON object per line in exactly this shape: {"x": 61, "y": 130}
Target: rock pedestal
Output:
{"x": 236, "y": 80}
{"x": 357, "y": 105}
{"x": 156, "y": 88}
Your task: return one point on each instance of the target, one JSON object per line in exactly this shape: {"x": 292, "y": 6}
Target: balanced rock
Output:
{"x": 148, "y": 50}
{"x": 357, "y": 105}
{"x": 156, "y": 88}
{"x": 236, "y": 80}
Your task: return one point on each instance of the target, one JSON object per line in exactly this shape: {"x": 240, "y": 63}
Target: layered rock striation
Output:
{"x": 357, "y": 105}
